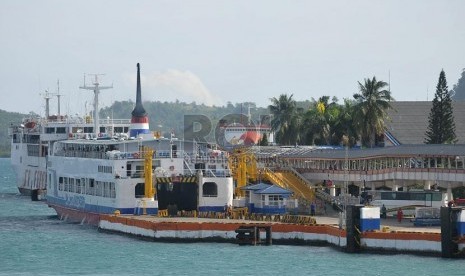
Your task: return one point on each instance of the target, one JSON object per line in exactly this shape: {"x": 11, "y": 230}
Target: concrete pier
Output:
{"x": 392, "y": 236}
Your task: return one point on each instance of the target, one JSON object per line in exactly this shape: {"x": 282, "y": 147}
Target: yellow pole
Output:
{"x": 148, "y": 156}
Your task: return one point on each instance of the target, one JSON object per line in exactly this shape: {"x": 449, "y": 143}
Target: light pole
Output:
{"x": 345, "y": 141}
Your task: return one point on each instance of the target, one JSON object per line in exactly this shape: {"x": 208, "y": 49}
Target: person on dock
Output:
{"x": 383, "y": 212}
{"x": 312, "y": 209}
{"x": 400, "y": 214}
{"x": 451, "y": 203}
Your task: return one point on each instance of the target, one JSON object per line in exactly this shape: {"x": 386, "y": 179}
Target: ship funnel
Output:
{"x": 139, "y": 120}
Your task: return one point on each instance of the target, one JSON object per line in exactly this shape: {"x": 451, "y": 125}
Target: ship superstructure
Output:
{"x": 33, "y": 138}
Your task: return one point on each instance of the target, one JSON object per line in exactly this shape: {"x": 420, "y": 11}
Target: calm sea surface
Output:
{"x": 34, "y": 242}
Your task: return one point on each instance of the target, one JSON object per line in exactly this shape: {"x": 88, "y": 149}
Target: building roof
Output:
{"x": 397, "y": 151}
{"x": 256, "y": 187}
{"x": 409, "y": 121}
{"x": 263, "y": 188}
{"x": 274, "y": 190}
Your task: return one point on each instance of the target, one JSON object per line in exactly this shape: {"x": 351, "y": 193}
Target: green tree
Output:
{"x": 458, "y": 92}
{"x": 344, "y": 124}
{"x": 284, "y": 120}
{"x": 441, "y": 126}
{"x": 264, "y": 140}
{"x": 372, "y": 104}
{"x": 318, "y": 121}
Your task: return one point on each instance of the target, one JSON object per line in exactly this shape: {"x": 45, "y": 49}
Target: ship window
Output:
{"x": 112, "y": 190}
{"x": 90, "y": 187}
{"x": 33, "y": 150}
{"x": 139, "y": 172}
{"x": 139, "y": 190}
{"x": 98, "y": 188}
{"x": 49, "y": 130}
{"x": 210, "y": 189}
{"x": 437, "y": 197}
{"x": 71, "y": 185}
{"x": 78, "y": 186}
{"x": 61, "y": 130}
{"x": 106, "y": 189}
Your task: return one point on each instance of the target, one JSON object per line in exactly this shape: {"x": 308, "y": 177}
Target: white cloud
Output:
{"x": 173, "y": 84}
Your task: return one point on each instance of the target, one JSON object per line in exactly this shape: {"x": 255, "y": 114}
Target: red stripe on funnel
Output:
{"x": 139, "y": 120}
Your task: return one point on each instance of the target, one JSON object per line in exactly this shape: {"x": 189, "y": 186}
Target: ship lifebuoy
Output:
{"x": 135, "y": 155}
{"x": 70, "y": 135}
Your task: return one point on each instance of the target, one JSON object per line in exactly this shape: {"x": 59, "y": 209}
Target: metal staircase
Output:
{"x": 291, "y": 180}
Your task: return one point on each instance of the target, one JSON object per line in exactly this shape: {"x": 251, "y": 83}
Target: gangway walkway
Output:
{"x": 288, "y": 179}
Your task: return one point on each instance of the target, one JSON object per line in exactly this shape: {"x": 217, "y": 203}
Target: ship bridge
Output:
{"x": 350, "y": 171}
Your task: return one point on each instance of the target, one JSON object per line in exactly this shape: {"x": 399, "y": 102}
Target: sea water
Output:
{"x": 34, "y": 242}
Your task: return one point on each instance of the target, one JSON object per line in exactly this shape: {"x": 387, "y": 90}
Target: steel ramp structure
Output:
{"x": 290, "y": 179}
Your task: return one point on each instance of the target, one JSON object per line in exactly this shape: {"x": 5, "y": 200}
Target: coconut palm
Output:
{"x": 284, "y": 120}
{"x": 372, "y": 104}
{"x": 318, "y": 121}
{"x": 343, "y": 124}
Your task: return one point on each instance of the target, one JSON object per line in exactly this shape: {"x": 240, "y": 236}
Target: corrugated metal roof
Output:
{"x": 398, "y": 151}
{"x": 274, "y": 190}
{"x": 263, "y": 188}
{"x": 255, "y": 187}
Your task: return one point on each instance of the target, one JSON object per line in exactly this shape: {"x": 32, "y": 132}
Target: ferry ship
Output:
{"x": 32, "y": 139}
{"x": 140, "y": 174}
{"x": 237, "y": 130}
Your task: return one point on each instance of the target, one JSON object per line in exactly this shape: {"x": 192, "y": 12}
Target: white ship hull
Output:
{"x": 30, "y": 149}
{"x": 87, "y": 179}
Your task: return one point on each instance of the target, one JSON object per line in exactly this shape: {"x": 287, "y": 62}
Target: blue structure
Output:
{"x": 369, "y": 219}
{"x": 427, "y": 216}
{"x": 461, "y": 223}
{"x": 268, "y": 199}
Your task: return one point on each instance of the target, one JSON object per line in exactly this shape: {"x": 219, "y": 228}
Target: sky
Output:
{"x": 215, "y": 52}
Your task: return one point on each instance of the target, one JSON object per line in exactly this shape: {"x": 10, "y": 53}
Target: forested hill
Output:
{"x": 169, "y": 116}
{"x": 5, "y": 119}
{"x": 164, "y": 116}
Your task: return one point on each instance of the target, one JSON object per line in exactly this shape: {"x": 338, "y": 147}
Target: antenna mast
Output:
{"x": 58, "y": 96}
{"x": 96, "y": 88}
{"x": 47, "y": 96}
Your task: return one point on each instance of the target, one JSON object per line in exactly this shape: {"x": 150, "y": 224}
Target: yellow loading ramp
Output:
{"x": 243, "y": 165}
{"x": 291, "y": 180}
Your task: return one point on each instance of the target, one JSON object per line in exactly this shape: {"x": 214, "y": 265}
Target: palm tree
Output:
{"x": 344, "y": 124}
{"x": 284, "y": 120}
{"x": 372, "y": 104}
{"x": 319, "y": 120}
